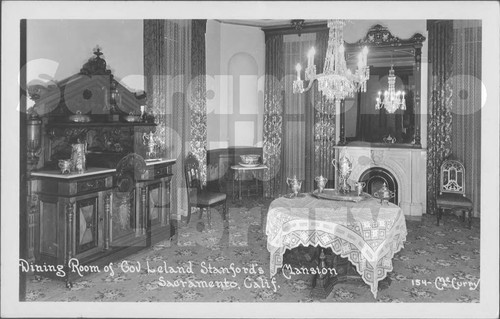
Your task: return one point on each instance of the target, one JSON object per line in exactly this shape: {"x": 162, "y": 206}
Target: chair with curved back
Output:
{"x": 198, "y": 196}
{"x": 452, "y": 190}
{"x": 128, "y": 170}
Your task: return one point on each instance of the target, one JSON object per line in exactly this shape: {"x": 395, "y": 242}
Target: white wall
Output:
{"x": 235, "y": 57}
{"x": 230, "y": 45}
{"x": 57, "y": 49}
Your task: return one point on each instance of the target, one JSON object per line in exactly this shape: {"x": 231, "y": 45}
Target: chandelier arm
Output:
{"x": 309, "y": 86}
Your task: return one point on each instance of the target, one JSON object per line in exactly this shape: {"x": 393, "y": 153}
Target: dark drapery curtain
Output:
{"x": 439, "y": 118}
{"x": 466, "y": 113}
{"x": 323, "y": 112}
{"x": 198, "y": 99}
{"x": 297, "y": 115}
{"x": 273, "y": 115}
{"x": 299, "y": 129}
{"x": 174, "y": 68}
{"x": 155, "y": 81}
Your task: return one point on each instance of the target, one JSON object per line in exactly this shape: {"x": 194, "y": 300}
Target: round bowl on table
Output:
{"x": 250, "y": 159}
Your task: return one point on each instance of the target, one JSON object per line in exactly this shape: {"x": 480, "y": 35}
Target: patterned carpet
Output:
{"x": 230, "y": 263}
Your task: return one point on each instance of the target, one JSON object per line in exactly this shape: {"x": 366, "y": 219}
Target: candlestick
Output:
{"x": 298, "y": 68}
{"x": 365, "y": 55}
{"x": 310, "y": 57}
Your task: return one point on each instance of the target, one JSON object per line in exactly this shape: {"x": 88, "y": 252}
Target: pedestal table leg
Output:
{"x": 324, "y": 282}
{"x": 233, "y": 178}
{"x": 256, "y": 175}
{"x": 239, "y": 184}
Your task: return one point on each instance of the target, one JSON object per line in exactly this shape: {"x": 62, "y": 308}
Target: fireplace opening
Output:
{"x": 375, "y": 178}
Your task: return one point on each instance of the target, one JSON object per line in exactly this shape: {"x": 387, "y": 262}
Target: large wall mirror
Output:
{"x": 361, "y": 122}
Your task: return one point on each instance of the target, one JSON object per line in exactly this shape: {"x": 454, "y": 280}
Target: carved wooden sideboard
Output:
{"x": 88, "y": 216}
{"x": 72, "y": 213}
{"x": 85, "y": 218}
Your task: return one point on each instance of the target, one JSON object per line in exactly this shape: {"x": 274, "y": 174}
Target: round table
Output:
{"x": 239, "y": 172}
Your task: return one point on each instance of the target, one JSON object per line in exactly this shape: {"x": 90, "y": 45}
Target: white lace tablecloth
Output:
{"x": 367, "y": 233}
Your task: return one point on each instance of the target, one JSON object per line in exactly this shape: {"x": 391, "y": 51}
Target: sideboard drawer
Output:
{"x": 94, "y": 185}
{"x": 156, "y": 171}
{"x": 75, "y": 186}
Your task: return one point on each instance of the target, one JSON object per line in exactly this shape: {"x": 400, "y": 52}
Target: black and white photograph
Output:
{"x": 250, "y": 159}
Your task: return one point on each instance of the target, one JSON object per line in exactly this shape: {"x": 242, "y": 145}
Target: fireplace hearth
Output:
{"x": 402, "y": 169}
{"x": 375, "y": 177}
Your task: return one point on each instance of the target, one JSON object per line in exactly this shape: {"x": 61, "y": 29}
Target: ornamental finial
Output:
{"x": 97, "y": 50}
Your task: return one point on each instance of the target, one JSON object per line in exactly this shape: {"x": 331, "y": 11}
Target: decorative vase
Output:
{"x": 359, "y": 187}
{"x": 78, "y": 159}
{"x": 344, "y": 169}
{"x": 321, "y": 182}
{"x": 294, "y": 184}
{"x": 384, "y": 194}
{"x": 150, "y": 141}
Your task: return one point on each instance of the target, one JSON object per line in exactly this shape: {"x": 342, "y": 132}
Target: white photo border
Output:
{"x": 13, "y": 12}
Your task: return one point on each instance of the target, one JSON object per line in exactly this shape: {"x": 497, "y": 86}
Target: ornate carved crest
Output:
{"x": 417, "y": 37}
{"x": 298, "y": 25}
{"x": 381, "y": 36}
{"x": 92, "y": 91}
{"x": 36, "y": 91}
{"x": 377, "y": 156}
{"x": 95, "y": 65}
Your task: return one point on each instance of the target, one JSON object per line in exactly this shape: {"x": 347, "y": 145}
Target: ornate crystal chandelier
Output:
{"x": 392, "y": 100}
{"x": 336, "y": 82}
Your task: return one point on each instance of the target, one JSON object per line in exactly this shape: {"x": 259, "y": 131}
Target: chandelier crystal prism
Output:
{"x": 336, "y": 82}
{"x": 391, "y": 100}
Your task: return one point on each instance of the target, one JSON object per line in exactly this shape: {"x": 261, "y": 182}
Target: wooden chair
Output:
{"x": 452, "y": 190}
{"x": 199, "y": 197}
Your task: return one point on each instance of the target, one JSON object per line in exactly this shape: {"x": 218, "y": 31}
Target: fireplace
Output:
{"x": 402, "y": 169}
{"x": 376, "y": 177}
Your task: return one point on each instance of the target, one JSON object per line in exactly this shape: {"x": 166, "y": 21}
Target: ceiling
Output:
{"x": 267, "y": 23}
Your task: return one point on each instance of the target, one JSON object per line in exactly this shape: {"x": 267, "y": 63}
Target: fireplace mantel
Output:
{"x": 408, "y": 165}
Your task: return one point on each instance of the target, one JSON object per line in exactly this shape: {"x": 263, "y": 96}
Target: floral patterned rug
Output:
{"x": 229, "y": 262}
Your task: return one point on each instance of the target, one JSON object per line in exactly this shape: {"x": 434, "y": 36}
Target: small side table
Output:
{"x": 239, "y": 171}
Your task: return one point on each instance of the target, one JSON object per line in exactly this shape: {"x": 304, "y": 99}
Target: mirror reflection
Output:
{"x": 364, "y": 122}
{"x": 388, "y": 113}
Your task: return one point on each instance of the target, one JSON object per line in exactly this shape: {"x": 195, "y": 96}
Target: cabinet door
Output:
{"x": 69, "y": 227}
{"x": 50, "y": 235}
{"x": 87, "y": 224}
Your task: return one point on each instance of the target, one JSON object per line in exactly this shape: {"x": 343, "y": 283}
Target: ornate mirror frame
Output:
{"x": 386, "y": 50}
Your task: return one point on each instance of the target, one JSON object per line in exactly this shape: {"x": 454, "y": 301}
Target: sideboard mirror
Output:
{"x": 360, "y": 120}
